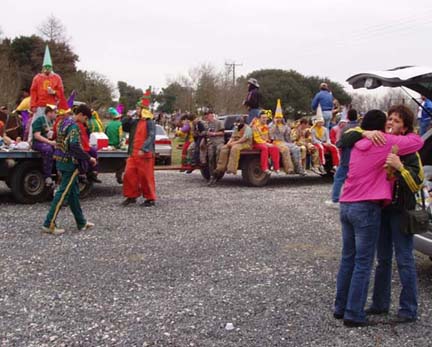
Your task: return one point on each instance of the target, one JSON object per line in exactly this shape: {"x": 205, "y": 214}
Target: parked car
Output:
{"x": 419, "y": 79}
{"x": 163, "y": 146}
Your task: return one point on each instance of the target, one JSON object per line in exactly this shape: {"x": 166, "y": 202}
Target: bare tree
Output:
{"x": 365, "y": 102}
{"x": 53, "y": 30}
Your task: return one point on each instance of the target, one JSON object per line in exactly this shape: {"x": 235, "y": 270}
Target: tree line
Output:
{"x": 203, "y": 87}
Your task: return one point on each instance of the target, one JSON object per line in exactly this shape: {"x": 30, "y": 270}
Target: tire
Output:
{"x": 28, "y": 184}
{"x": 205, "y": 172}
{"x": 328, "y": 167}
{"x": 252, "y": 173}
{"x": 85, "y": 189}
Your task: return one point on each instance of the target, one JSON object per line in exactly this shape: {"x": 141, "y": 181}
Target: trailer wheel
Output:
{"x": 28, "y": 184}
{"x": 85, "y": 189}
{"x": 252, "y": 173}
{"x": 205, "y": 172}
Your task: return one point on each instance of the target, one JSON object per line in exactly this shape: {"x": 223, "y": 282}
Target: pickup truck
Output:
{"x": 250, "y": 160}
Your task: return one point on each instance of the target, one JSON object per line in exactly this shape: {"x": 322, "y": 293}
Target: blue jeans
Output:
{"x": 327, "y": 115}
{"x": 360, "y": 227}
{"x": 424, "y": 126}
{"x": 338, "y": 181}
{"x": 253, "y": 113}
{"x": 390, "y": 235}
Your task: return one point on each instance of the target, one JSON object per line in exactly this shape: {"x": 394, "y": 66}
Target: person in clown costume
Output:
{"x": 280, "y": 133}
{"x": 261, "y": 141}
{"x": 321, "y": 140}
{"x": 139, "y": 172}
{"x": 46, "y": 89}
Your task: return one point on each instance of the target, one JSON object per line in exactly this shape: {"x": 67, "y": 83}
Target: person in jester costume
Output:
{"x": 68, "y": 153}
{"x": 139, "y": 173}
{"x": 46, "y": 89}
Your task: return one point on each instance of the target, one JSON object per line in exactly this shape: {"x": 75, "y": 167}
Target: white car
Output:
{"x": 162, "y": 146}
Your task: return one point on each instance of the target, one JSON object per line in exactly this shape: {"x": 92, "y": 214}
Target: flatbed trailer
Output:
{"x": 22, "y": 173}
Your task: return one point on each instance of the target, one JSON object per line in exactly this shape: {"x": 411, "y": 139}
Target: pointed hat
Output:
{"x": 278, "y": 112}
{"x": 47, "y": 58}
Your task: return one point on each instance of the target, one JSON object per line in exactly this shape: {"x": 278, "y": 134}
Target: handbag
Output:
{"x": 415, "y": 221}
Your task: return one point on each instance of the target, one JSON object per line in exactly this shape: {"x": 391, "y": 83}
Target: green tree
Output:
{"x": 92, "y": 88}
{"x": 295, "y": 90}
{"x": 27, "y": 52}
{"x": 175, "y": 97}
{"x": 129, "y": 95}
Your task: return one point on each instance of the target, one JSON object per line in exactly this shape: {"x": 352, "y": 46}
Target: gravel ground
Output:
{"x": 263, "y": 259}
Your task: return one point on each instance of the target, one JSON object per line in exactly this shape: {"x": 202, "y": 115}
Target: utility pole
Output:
{"x": 231, "y": 68}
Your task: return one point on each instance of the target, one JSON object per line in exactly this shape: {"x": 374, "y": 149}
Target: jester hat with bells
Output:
{"x": 145, "y": 104}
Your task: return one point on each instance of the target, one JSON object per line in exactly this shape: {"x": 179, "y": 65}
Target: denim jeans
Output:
{"x": 327, "y": 115}
{"x": 338, "y": 181}
{"x": 360, "y": 228}
{"x": 253, "y": 113}
{"x": 391, "y": 234}
{"x": 424, "y": 126}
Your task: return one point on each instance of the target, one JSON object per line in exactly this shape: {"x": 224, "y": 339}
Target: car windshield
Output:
{"x": 160, "y": 130}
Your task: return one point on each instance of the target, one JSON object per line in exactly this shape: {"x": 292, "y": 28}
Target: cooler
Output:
{"x": 98, "y": 140}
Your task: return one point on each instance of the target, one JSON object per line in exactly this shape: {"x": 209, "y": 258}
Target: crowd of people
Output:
{"x": 375, "y": 161}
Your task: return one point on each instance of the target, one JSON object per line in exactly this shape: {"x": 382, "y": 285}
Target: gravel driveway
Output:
{"x": 262, "y": 259}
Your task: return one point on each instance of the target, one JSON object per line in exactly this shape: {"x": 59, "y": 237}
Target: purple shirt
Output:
{"x": 367, "y": 179}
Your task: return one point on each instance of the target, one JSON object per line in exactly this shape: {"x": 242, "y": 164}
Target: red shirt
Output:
{"x": 39, "y": 96}
{"x": 85, "y": 143}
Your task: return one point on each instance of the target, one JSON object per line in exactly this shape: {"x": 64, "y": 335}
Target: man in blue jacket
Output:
{"x": 325, "y": 99}
{"x": 425, "y": 118}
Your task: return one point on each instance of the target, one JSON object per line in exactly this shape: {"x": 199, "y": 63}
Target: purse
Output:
{"x": 415, "y": 221}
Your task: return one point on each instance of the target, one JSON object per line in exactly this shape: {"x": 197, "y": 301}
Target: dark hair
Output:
{"x": 184, "y": 117}
{"x": 352, "y": 115}
{"x": 405, "y": 114}
{"x": 84, "y": 109}
{"x": 303, "y": 121}
{"x": 49, "y": 109}
{"x": 374, "y": 120}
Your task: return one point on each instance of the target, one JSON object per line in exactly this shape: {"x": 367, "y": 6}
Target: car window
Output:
{"x": 159, "y": 130}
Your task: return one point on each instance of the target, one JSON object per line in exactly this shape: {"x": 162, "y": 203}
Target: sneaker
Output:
{"x": 189, "y": 171}
{"x": 322, "y": 170}
{"x": 302, "y": 173}
{"x": 267, "y": 172}
{"x": 374, "y": 311}
{"x": 119, "y": 178}
{"x": 148, "y": 203}
{"x": 55, "y": 231}
{"x": 334, "y": 168}
{"x": 277, "y": 172}
{"x": 93, "y": 177}
{"x": 402, "y": 320}
{"x": 315, "y": 170}
{"x": 49, "y": 182}
{"x": 128, "y": 201}
{"x": 331, "y": 204}
{"x": 212, "y": 181}
{"x": 353, "y": 324}
{"x": 86, "y": 227}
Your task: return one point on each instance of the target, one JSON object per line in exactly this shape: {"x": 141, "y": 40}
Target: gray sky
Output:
{"x": 147, "y": 42}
